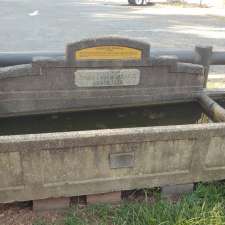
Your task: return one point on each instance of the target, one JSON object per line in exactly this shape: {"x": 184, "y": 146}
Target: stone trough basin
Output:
{"x": 73, "y": 154}
{"x": 106, "y": 118}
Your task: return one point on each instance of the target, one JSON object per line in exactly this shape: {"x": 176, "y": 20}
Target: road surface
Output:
{"x": 27, "y": 25}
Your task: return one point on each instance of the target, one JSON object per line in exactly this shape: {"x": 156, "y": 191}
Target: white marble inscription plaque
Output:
{"x": 105, "y": 78}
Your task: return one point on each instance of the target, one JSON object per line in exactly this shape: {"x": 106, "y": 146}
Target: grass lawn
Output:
{"x": 205, "y": 206}
{"x": 216, "y": 84}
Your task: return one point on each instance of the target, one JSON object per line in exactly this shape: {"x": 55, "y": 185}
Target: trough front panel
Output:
{"x": 79, "y": 163}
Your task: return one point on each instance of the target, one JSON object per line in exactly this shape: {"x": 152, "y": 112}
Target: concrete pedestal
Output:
{"x": 51, "y": 204}
{"x": 112, "y": 197}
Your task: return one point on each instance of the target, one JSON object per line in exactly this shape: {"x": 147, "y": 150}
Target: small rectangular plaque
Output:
{"x": 121, "y": 160}
{"x": 105, "y": 77}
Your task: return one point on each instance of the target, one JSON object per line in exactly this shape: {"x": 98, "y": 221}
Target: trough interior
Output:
{"x": 158, "y": 115}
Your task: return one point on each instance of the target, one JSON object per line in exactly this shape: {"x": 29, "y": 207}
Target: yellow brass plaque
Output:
{"x": 108, "y": 53}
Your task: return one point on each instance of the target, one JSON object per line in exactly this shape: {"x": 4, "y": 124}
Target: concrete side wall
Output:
{"x": 55, "y": 90}
{"x": 61, "y": 99}
{"x": 79, "y": 163}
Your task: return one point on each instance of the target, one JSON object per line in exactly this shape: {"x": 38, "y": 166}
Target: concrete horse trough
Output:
{"x": 106, "y": 73}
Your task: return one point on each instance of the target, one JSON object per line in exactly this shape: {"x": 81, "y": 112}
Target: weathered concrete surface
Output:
{"x": 78, "y": 163}
{"x": 123, "y": 75}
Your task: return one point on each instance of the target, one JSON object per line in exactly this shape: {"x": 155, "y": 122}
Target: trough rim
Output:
{"x": 69, "y": 140}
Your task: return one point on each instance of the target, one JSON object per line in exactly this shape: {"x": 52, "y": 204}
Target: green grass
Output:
{"x": 217, "y": 84}
{"x": 205, "y": 206}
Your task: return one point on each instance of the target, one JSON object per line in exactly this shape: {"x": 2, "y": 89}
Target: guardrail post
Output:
{"x": 203, "y": 55}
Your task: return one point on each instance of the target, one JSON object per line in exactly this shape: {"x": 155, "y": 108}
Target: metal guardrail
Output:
{"x": 201, "y": 55}
{"x": 19, "y": 58}
{"x": 188, "y": 56}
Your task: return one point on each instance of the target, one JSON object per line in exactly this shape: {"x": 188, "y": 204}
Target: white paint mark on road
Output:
{"x": 34, "y": 13}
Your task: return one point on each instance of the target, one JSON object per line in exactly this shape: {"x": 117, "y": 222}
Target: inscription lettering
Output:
{"x": 102, "y": 78}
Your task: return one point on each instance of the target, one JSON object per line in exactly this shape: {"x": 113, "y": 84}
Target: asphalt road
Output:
{"x": 27, "y": 25}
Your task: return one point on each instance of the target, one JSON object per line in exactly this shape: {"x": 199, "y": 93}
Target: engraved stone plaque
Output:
{"x": 121, "y": 160}
{"x": 106, "y": 77}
